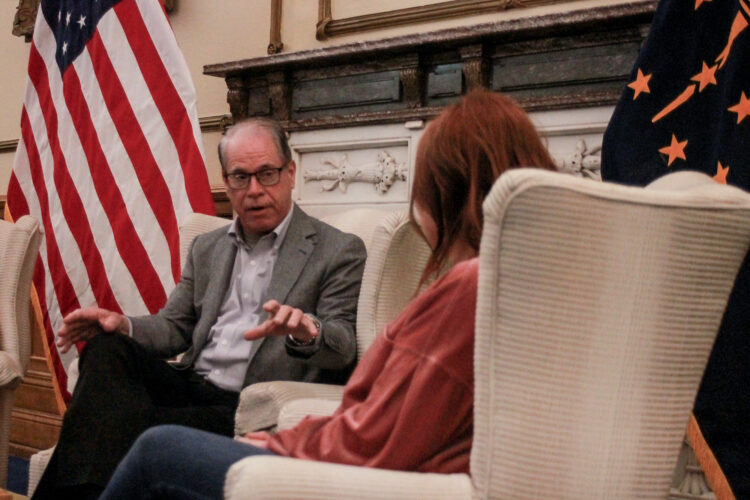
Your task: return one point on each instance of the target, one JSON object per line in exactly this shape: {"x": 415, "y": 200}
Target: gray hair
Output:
{"x": 278, "y": 134}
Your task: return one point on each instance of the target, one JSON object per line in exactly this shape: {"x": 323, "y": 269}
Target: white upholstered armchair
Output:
{"x": 598, "y": 305}
{"x": 19, "y": 246}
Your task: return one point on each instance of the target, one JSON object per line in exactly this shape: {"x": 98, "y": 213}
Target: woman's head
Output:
{"x": 459, "y": 157}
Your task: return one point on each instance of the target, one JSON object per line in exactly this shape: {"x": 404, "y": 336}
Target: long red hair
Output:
{"x": 461, "y": 154}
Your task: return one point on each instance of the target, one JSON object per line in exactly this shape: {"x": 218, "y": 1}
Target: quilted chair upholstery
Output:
{"x": 396, "y": 254}
{"x": 19, "y": 246}
{"x": 597, "y": 308}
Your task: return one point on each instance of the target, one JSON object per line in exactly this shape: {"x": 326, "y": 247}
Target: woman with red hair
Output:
{"x": 408, "y": 405}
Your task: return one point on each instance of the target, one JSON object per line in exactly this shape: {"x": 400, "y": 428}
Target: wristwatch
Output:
{"x": 299, "y": 343}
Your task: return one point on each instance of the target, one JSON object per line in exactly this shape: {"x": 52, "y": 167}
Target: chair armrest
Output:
{"x": 11, "y": 373}
{"x": 269, "y": 477}
{"x": 37, "y": 465}
{"x": 261, "y": 403}
{"x": 294, "y": 411}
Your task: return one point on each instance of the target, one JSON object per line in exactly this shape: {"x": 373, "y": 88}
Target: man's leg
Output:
{"x": 211, "y": 408}
{"x": 112, "y": 404}
{"x": 173, "y": 462}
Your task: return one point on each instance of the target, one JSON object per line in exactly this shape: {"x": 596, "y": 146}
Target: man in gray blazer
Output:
{"x": 271, "y": 296}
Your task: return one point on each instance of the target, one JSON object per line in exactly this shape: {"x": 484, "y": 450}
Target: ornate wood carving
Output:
{"x": 237, "y": 96}
{"x": 412, "y": 82}
{"x": 474, "y": 66}
{"x": 328, "y": 27}
{"x": 280, "y": 94}
{"x": 576, "y": 59}
{"x": 23, "y": 23}
{"x": 275, "y": 45}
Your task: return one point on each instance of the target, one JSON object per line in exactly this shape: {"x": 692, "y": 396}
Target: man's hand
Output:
{"x": 284, "y": 320}
{"x": 82, "y": 324}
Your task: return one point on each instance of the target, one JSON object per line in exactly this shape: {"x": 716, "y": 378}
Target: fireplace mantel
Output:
{"x": 577, "y": 59}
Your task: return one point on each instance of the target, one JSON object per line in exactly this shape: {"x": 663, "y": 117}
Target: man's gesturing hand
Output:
{"x": 82, "y": 324}
{"x": 284, "y": 320}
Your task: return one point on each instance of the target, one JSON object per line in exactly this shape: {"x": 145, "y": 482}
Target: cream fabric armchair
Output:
{"x": 597, "y": 308}
{"x": 396, "y": 255}
{"x": 19, "y": 246}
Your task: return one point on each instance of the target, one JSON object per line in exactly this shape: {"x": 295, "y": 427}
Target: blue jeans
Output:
{"x": 175, "y": 462}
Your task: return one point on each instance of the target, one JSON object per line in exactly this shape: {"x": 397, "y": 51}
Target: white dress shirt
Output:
{"x": 224, "y": 359}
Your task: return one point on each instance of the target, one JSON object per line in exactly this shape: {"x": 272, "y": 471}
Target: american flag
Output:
{"x": 687, "y": 108}
{"x": 110, "y": 159}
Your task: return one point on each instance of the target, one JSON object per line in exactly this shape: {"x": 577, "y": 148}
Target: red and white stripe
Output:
{"x": 110, "y": 160}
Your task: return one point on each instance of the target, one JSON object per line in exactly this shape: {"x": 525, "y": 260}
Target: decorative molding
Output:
{"x": 382, "y": 173}
{"x": 275, "y": 44}
{"x": 8, "y": 146}
{"x": 215, "y": 123}
{"x": 23, "y": 22}
{"x": 329, "y": 27}
{"x": 584, "y": 162}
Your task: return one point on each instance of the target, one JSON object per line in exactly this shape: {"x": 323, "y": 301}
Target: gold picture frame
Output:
{"x": 328, "y": 27}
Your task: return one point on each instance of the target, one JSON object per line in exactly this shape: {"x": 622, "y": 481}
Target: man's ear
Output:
{"x": 292, "y": 171}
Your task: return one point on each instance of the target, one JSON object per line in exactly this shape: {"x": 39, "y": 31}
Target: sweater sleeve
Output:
{"x": 409, "y": 404}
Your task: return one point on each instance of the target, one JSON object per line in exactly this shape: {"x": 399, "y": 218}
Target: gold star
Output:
{"x": 706, "y": 77}
{"x": 640, "y": 84}
{"x": 742, "y": 108}
{"x": 721, "y": 174}
{"x": 698, "y": 3}
{"x": 674, "y": 150}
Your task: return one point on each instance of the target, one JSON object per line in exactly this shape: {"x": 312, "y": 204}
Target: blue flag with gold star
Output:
{"x": 687, "y": 108}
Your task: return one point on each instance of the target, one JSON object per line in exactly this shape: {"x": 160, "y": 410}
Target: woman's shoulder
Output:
{"x": 450, "y": 297}
{"x": 463, "y": 276}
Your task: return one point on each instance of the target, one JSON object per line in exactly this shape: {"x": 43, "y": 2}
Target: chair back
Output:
{"x": 597, "y": 308}
{"x": 19, "y": 247}
{"x": 395, "y": 259}
{"x": 194, "y": 225}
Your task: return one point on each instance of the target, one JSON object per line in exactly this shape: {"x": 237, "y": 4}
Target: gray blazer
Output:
{"x": 318, "y": 269}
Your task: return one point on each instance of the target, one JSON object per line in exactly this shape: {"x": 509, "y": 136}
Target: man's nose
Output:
{"x": 254, "y": 188}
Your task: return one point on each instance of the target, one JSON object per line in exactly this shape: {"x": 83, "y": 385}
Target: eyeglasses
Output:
{"x": 265, "y": 177}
